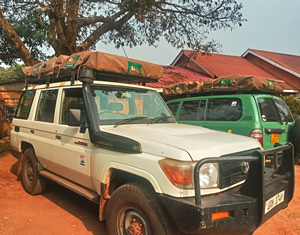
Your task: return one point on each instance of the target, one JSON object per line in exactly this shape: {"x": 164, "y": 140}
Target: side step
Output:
{"x": 94, "y": 197}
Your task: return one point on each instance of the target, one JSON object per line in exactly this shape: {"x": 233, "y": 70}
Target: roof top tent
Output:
{"x": 225, "y": 85}
{"x": 104, "y": 67}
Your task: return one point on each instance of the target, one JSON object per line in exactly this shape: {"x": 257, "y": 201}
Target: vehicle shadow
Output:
{"x": 81, "y": 208}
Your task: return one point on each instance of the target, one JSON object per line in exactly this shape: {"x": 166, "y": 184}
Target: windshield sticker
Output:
{"x": 82, "y": 160}
{"x": 233, "y": 103}
{"x": 225, "y": 83}
{"x": 271, "y": 84}
{"x": 134, "y": 68}
{"x": 70, "y": 63}
{"x": 35, "y": 69}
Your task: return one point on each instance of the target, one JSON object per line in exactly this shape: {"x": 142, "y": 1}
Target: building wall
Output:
{"x": 281, "y": 74}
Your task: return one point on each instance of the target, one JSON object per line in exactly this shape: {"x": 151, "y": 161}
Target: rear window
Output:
{"x": 192, "y": 110}
{"x": 25, "y": 104}
{"x": 274, "y": 110}
{"x": 224, "y": 109}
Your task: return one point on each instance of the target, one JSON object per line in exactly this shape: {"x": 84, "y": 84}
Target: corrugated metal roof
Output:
{"x": 289, "y": 61}
{"x": 175, "y": 74}
{"x": 224, "y": 65}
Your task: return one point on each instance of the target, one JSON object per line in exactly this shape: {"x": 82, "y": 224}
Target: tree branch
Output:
{"x": 104, "y": 28}
{"x": 97, "y": 19}
{"x": 16, "y": 42}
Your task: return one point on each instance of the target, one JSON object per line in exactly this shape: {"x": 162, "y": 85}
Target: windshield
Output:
{"x": 117, "y": 106}
{"x": 274, "y": 110}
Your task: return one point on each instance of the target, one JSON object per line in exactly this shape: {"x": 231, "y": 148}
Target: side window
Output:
{"x": 25, "y": 104}
{"x": 173, "y": 107}
{"x": 192, "y": 110}
{"x": 224, "y": 109}
{"x": 72, "y": 99}
{"x": 46, "y": 106}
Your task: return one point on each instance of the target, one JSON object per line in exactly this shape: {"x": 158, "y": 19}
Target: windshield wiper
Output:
{"x": 157, "y": 119}
{"x": 128, "y": 120}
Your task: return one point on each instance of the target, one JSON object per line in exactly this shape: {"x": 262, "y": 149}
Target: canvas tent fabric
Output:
{"x": 231, "y": 83}
{"x": 183, "y": 88}
{"x": 243, "y": 83}
{"x": 97, "y": 61}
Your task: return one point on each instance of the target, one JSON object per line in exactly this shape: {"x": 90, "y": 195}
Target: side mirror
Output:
{"x": 77, "y": 118}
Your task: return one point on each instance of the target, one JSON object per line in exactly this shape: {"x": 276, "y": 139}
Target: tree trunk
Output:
{"x": 16, "y": 42}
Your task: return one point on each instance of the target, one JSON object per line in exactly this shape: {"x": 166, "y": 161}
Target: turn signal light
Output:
{"x": 219, "y": 215}
{"x": 179, "y": 173}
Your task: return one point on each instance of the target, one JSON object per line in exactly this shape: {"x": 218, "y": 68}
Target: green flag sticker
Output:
{"x": 70, "y": 63}
{"x": 271, "y": 84}
{"x": 225, "y": 83}
{"x": 134, "y": 68}
{"x": 35, "y": 69}
{"x": 179, "y": 88}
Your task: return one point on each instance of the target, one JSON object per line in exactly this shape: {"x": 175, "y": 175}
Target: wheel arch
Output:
{"x": 25, "y": 145}
{"x": 116, "y": 177}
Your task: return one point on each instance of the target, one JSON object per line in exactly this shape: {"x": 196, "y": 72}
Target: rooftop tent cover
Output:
{"x": 97, "y": 61}
{"x": 183, "y": 88}
{"x": 231, "y": 83}
{"x": 243, "y": 83}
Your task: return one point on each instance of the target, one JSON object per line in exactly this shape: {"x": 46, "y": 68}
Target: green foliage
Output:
{"x": 183, "y": 23}
{"x": 12, "y": 74}
{"x": 294, "y": 105}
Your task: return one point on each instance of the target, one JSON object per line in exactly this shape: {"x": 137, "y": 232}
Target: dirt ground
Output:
{"x": 60, "y": 211}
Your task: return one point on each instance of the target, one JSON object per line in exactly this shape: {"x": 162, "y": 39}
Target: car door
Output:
{"x": 224, "y": 114}
{"x": 71, "y": 151}
{"x": 41, "y": 133}
{"x": 192, "y": 112}
{"x": 275, "y": 119}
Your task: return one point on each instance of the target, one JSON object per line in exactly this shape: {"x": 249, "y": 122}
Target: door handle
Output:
{"x": 58, "y": 137}
{"x": 32, "y": 131}
{"x": 17, "y": 129}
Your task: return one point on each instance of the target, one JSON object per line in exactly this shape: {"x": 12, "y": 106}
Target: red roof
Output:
{"x": 289, "y": 61}
{"x": 175, "y": 74}
{"x": 224, "y": 65}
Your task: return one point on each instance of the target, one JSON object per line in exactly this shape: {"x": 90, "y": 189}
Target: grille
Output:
{"x": 231, "y": 173}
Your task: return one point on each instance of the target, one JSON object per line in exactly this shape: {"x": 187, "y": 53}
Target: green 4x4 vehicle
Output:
{"x": 239, "y": 104}
{"x": 262, "y": 116}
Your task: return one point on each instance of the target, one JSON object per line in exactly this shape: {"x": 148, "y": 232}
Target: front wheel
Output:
{"x": 135, "y": 210}
{"x": 32, "y": 182}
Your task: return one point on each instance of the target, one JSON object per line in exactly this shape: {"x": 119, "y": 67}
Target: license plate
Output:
{"x": 274, "y": 201}
{"x": 274, "y": 138}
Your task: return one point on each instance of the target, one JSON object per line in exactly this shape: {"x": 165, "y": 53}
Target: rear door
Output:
{"x": 276, "y": 120}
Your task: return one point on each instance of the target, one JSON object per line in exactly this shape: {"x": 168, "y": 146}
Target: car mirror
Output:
{"x": 74, "y": 117}
{"x": 77, "y": 118}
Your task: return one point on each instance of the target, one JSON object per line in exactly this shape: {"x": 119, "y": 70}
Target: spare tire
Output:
{"x": 296, "y": 135}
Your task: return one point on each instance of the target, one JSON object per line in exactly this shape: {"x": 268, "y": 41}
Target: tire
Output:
{"x": 32, "y": 182}
{"x": 296, "y": 135}
{"x": 134, "y": 209}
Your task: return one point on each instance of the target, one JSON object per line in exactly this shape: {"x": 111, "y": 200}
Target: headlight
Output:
{"x": 209, "y": 176}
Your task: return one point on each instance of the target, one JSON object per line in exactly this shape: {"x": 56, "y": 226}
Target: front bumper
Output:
{"x": 245, "y": 204}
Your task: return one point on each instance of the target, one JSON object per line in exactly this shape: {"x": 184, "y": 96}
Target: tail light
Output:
{"x": 258, "y": 135}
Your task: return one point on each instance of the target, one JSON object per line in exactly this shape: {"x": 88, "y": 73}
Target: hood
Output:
{"x": 183, "y": 142}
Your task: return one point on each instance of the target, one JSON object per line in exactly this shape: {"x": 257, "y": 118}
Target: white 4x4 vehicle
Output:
{"x": 120, "y": 146}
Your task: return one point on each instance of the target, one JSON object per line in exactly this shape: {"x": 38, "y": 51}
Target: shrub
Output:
{"x": 294, "y": 105}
